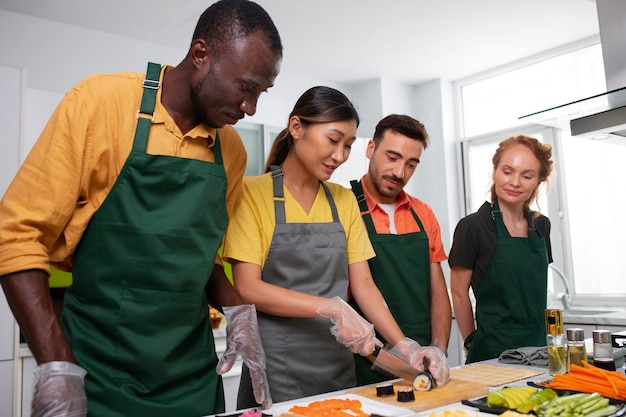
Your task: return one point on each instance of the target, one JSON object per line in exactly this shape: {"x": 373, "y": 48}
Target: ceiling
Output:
{"x": 354, "y": 40}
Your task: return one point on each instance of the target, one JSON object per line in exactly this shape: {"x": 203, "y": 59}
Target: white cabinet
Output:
{"x": 28, "y": 366}
{"x": 456, "y": 354}
{"x": 10, "y": 128}
{"x": 6, "y": 388}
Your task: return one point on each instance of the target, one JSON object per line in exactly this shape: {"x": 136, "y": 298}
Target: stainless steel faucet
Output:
{"x": 566, "y": 297}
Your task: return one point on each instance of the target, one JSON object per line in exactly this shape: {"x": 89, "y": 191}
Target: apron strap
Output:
{"x": 145, "y": 114}
{"x": 217, "y": 149}
{"x": 496, "y": 215}
{"x": 331, "y": 201}
{"x": 357, "y": 189}
{"x": 279, "y": 196}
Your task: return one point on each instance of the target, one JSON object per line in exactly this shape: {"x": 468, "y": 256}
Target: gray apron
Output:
{"x": 303, "y": 357}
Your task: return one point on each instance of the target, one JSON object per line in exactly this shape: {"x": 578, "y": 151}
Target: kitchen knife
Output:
{"x": 392, "y": 365}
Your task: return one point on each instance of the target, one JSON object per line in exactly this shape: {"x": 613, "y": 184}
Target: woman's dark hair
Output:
{"x": 543, "y": 153}
{"x": 227, "y": 20}
{"x": 317, "y": 105}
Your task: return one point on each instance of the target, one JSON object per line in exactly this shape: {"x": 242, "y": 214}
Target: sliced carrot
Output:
{"x": 588, "y": 378}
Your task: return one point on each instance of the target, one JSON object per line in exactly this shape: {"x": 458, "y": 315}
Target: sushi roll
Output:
{"x": 385, "y": 390}
{"x": 424, "y": 381}
{"x": 406, "y": 395}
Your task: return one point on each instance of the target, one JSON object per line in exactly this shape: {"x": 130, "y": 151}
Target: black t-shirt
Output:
{"x": 475, "y": 240}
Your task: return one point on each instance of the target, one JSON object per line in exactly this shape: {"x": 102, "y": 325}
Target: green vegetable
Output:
{"x": 510, "y": 397}
{"x": 537, "y": 398}
{"x": 576, "y": 405}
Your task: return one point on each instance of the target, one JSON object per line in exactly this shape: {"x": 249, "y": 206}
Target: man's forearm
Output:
{"x": 28, "y": 295}
{"x": 220, "y": 291}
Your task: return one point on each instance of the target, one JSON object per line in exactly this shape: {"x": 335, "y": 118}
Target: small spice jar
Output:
{"x": 603, "y": 350}
{"x": 576, "y": 351}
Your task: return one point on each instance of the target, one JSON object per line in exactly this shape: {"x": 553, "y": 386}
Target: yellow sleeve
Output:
{"x": 251, "y": 227}
{"x": 234, "y": 156}
{"x": 358, "y": 244}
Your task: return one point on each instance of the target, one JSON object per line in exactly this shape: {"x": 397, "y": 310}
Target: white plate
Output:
{"x": 367, "y": 405}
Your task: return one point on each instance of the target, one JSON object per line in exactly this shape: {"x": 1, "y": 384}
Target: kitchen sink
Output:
{"x": 586, "y": 312}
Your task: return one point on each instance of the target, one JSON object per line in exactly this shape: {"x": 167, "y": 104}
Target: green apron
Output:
{"x": 511, "y": 297}
{"x": 401, "y": 271}
{"x": 136, "y": 314}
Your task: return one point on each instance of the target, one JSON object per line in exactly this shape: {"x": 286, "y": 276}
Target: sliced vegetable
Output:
{"x": 576, "y": 405}
{"x": 588, "y": 378}
{"x": 510, "y": 397}
{"x": 536, "y": 399}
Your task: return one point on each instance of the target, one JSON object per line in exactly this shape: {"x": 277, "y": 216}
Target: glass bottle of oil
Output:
{"x": 557, "y": 364}
{"x": 576, "y": 351}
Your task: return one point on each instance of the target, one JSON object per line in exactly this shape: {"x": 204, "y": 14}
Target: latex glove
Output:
{"x": 59, "y": 390}
{"x": 242, "y": 338}
{"x": 349, "y": 328}
{"x": 423, "y": 358}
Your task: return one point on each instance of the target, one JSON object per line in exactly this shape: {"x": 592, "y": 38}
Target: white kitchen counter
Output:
{"x": 279, "y": 408}
{"x": 612, "y": 316}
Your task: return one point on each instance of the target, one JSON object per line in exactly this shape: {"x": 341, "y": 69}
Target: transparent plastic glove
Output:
{"x": 242, "y": 338}
{"x": 349, "y": 328}
{"x": 59, "y": 390}
{"x": 423, "y": 358}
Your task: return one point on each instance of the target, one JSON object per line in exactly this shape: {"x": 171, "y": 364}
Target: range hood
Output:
{"x": 601, "y": 117}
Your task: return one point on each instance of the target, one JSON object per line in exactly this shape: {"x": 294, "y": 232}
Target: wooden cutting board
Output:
{"x": 493, "y": 375}
{"x": 454, "y": 391}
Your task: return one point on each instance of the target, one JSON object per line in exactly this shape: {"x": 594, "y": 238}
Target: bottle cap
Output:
{"x": 575, "y": 335}
{"x": 554, "y": 321}
{"x": 601, "y": 336}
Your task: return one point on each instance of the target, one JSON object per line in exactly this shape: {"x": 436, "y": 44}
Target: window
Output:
{"x": 585, "y": 198}
{"x": 497, "y": 102}
{"x": 593, "y": 180}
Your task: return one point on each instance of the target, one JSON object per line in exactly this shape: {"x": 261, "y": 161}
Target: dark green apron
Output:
{"x": 136, "y": 314}
{"x": 511, "y": 297}
{"x": 401, "y": 271}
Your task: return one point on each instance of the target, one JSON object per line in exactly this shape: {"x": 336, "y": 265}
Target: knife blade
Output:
{"x": 392, "y": 365}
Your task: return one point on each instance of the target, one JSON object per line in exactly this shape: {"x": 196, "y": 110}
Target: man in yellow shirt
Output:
{"x": 130, "y": 187}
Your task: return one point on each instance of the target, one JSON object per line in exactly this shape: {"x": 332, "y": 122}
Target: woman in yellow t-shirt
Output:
{"x": 298, "y": 249}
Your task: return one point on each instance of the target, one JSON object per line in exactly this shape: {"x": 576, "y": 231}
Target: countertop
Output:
{"x": 603, "y": 316}
{"x": 278, "y": 408}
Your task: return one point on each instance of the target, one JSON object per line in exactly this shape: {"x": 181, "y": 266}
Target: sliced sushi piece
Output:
{"x": 424, "y": 381}
{"x": 406, "y": 395}
{"x": 384, "y": 390}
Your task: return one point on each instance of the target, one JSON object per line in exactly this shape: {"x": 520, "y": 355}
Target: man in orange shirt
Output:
{"x": 406, "y": 238}
{"x": 130, "y": 186}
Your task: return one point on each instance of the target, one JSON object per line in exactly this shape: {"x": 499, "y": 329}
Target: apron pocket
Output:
{"x": 162, "y": 335}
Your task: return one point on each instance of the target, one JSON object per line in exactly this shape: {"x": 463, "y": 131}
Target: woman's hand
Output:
{"x": 349, "y": 328}
{"x": 423, "y": 358}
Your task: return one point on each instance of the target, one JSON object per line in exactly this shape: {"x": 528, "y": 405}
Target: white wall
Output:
{"x": 57, "y": 56}
{"x": 10, "y": 121}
